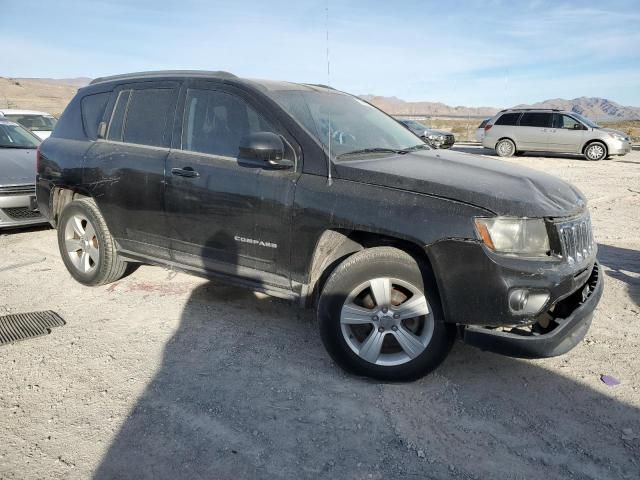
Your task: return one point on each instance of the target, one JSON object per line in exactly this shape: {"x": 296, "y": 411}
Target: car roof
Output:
{"x": 517, "y": 110}
{"x": 12, "y": 111}
{"x": 264, "y": 85}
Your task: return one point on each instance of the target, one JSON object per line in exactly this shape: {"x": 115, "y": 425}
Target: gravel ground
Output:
{"x": 163, "y": 375}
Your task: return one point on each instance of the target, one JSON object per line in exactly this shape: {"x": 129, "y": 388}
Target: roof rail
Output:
{"x": 164, "y": 73}
{"x": 531, "y": 109}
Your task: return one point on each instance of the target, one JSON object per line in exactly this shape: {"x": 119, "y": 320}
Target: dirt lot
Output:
{"x": 170, "y": 376}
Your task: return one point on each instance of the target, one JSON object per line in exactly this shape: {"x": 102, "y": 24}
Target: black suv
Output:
{"x": 308, "y": 193}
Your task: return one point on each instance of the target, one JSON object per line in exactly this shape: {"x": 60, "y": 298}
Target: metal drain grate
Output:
{"x": 20, "y": 326}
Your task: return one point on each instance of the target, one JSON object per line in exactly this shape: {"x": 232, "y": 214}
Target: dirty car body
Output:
{"x": 510, "y": 250}
{"x": 18, "y": 205}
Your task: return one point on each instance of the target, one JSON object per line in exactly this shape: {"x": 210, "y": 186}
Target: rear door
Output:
{"x": 567, "y": 134}
{"x": 124, "y": 172}
{"x": 225, "y": 215}
{"x": 534, "y": 131}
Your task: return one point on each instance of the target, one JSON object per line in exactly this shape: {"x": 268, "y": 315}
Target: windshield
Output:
{"x": 14, "y": 136}
{"x": 586, "y": 121}
{"x": 41, "y": 123}
{"x": 354, "y": 126}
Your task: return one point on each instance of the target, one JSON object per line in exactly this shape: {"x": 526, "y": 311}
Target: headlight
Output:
{"x": 432, "y": 137}
{"x": 617, "y": 136}
{"x": 514, "y": 236}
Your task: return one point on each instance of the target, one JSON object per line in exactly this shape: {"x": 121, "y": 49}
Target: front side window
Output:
{"x": 215, "y": 122}
{"x": 15, "y": 136}
{"x": 38, "y": 123}
{"x": 570, "y": 123}
{"x": 536, "y": 119}
{"x": 345, "y": 125}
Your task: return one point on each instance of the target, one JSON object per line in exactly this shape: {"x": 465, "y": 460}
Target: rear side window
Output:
{"x": 508, "y": 119}
{"x": 141, "y": 116}
{"x": 215, "y": 122}
{"x": 147, "y": 116}
{"x": 117, "y": 118}
{"x": 92, "y": 111}
{"x": 536, "y": 119}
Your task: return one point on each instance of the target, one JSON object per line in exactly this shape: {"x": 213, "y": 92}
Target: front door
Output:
{"x": 223, "y": 215}
{"x": 533, "y": 132}
{"x": 124, "y": 172}
{"x": 567, "y": 135}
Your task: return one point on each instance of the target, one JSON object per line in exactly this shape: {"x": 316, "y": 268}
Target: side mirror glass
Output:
{"x": 265, "y": 150}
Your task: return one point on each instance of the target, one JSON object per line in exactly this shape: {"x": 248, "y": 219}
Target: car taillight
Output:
{"x": 487, "y": 127}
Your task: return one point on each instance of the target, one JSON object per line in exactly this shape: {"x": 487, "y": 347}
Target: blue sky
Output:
{"x": 489, "y": 52}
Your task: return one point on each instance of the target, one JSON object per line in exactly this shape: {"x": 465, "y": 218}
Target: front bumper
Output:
{"x": 448, "y": 142}
{"x": 618, "y": 147}
{"x": 570, "y": 322}
{"x": 19, "y": 211}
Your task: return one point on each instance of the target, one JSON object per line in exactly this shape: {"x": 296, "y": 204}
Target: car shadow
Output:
{"x": 25, "y": 229}
{"x": 246, "y": 390}
{"x": 624, "y": 265}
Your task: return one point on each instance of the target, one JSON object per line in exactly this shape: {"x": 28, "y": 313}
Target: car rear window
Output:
{"x": 508, "y": 119}
{"x": 92, "y": 111}
{"x": 536, "y": 119}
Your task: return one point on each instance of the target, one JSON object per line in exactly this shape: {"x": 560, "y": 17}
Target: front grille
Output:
{"x": 576, "y": 239}
{"x": 21, "y": 213}
{"x": 18, "y": 190}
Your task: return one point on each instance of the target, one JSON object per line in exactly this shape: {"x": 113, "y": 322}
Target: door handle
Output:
{"x": 187, "y": 172}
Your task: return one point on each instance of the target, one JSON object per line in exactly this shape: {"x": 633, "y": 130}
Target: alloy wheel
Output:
{"x": 81, "y": 244}
{"x": 387, "y": 321}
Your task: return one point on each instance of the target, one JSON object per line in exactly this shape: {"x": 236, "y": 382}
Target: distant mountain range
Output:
{"x": 53, "y": 94}
{"x": 599, "y": 109}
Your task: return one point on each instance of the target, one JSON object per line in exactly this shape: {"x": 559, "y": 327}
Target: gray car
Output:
{"x": 435, "y": 138}
{"x": 515, "y": 131}
{"x": 18, "y": 150}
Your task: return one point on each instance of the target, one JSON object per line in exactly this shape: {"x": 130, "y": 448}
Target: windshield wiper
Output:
{"x": 369, "y": 150}
{"x": 420, "y": 146}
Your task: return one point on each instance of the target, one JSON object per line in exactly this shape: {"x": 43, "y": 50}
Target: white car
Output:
{"x": 40, "y": 123}
{"x": 480, "y": 130}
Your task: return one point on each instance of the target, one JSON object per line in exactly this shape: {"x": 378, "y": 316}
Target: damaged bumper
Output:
{"x": 569, "y": 322}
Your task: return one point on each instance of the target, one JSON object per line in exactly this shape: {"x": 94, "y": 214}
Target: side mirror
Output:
{"x": 577, "y": 126}
{"x": 265, "y": 150}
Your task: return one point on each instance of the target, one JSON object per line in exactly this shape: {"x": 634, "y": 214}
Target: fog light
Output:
{"x": 526, "y": 302}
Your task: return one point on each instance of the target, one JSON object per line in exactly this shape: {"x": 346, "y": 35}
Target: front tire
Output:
{"x": 505, "y": 148}
{"x": 596, "y": 151}
{"x": 380, "y": 316}
{"x": 86, "y": 246}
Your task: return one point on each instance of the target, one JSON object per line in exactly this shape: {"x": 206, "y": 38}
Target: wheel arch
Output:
{"x": 60, "y": 198}
{"x": 593, "y": 140}
{"x": 336, "y": 245}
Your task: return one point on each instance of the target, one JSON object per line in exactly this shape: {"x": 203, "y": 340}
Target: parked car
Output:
{"x": 480, "y": 130}
{"x": 40, "y": 123}
{"x": 435, "y": 138}
{"x": 18, "y": 205}
{"x": 397, "y": 246}
{"x": 515, "y": 131}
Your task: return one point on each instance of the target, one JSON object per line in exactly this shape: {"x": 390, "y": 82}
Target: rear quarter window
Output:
{"x": 92, "y": 107}
{"x": 508, "y": 119}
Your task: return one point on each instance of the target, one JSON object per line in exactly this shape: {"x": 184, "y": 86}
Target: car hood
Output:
{"x": 42, "y": 134}
{"x": 17, "y": 166}
{"x": 494, "y": 185}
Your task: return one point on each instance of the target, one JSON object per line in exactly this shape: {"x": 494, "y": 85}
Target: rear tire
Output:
{"x": 380, "y": 316}
{"x": 86, "y": 246}
{"x": 505, "y": 148}
{"x": 595, "y": 151}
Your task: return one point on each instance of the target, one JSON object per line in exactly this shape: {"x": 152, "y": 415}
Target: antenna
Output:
{"x": 326, "y": 24}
